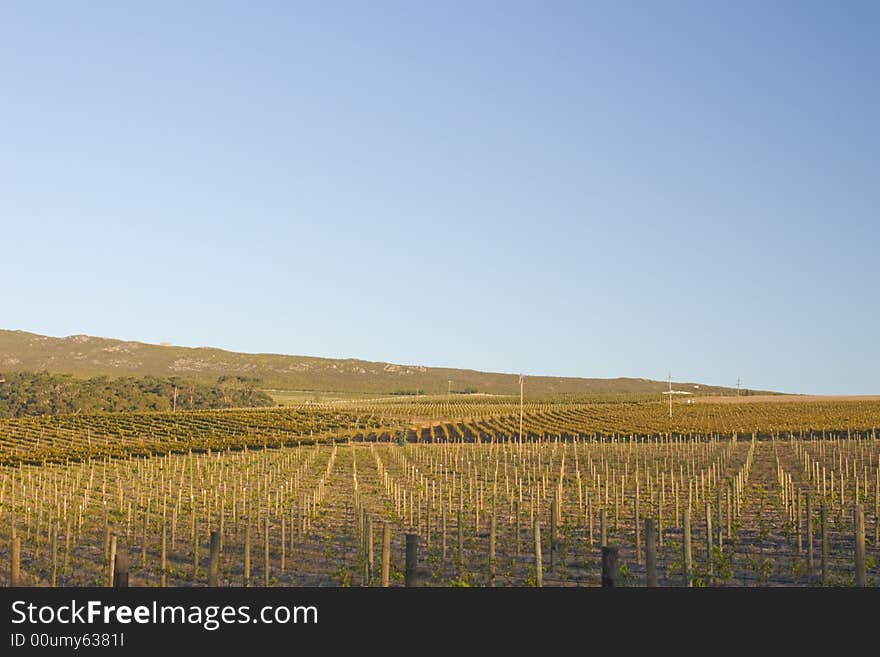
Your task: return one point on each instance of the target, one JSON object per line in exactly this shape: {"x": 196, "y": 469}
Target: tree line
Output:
{"x": 41, "y": 393}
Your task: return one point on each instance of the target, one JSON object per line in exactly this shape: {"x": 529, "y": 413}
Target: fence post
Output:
{"x": 859, "y": 522}
{"x": 412, "y": 559}
{"x": 539, "y": 568}
{"x": 638, "y": 527}
{"x": 823, "y": 528}
{"x": 810, "y": 555}
{"x": 492, "y": 548}
{"x": 214, "y": 559}
{"x": 443, "y": 534}
{"x": 651, "y": 552}
{"x": 459, "y": 556}
{"x": 247, "y": 552}
{"x": 709, "y": 543}
{"x": 800, "y": 521}
{"x": 370, "y": 556}
{"x": 163, "y": 557}
{"x": 120, "y": 570}
{"x": 687, "y": 557}
{"x": 195, "y": 549}
{"x": 53, "y": 530}
{"x": 15, "y": 562}
{"x": 516, "y": 527}
{"x": 266, "y": 563}
{"x": 386, "y": 554}
{"x": 111, "y": 554}
{"x": 609, "y": 566}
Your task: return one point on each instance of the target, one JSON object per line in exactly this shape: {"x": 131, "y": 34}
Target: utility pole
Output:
{"x": 738, "y": 382}
{"x": 449, "y": 389}
{"x": 520, "y": 406}
{"x": 670, "y": 394}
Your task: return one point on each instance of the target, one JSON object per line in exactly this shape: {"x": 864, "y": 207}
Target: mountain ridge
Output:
{"x": 87, "y": 356}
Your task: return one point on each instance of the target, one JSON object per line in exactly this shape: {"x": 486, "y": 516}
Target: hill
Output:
{"x": 87, "y": 356}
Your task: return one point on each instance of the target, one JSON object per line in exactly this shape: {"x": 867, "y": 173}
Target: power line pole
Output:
{"x": 738, "y": 382}
{"x": 670, "y": 394}
{"x": 449, "y": 389}
{"x": 520, "y": 406}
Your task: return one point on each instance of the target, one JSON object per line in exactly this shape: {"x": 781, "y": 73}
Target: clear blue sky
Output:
{"x": 590, "y": 189}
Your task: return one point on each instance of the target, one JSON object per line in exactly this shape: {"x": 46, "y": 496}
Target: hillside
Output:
{"x": 86, "y": 356}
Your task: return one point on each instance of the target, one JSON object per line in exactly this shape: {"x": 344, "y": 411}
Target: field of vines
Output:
{"x": 62, "y": 438}
{"x": 441, "y": 493}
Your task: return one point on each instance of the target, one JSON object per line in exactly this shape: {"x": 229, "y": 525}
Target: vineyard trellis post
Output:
{"x": 214, "y": 559}
{"x": 687, "y": 558}
{"x": 609, "y": 566}
{"x": 650, "y": 552}
{"x": 859, "y": 526}
{"x": 120, "y": 570}
{"x": 15, "y": 562}
{"x": 412, "y": 560}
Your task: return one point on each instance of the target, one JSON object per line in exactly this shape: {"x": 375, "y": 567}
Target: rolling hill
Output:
{"x": 85, "y": 356}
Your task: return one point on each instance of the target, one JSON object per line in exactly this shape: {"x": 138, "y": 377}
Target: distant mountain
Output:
{"x": 86, "y": 356}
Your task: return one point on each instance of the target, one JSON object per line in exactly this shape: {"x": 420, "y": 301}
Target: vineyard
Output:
{"x": 61, "y": 438}
{"x": 446, "y": 493}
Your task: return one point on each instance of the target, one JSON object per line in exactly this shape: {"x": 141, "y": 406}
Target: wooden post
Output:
{"x": 428, "y": 513}
{"x": 460, "y": 547}
{"x": 709, "y": 542}
{"x": 687, "y": 558}
{"x": 369, "y": 549}
{"x": 120, "y": 569}
{"x": 214, "y": 559}
{"x": 877, "y": 509}
{"x": 163, "y": 557}
{"x": 53, "y": 531}
{"x": 412, "y": 560}
{"x": 859, "y": 522}
{"x": 266, "y": 572}
{"x": 292, "y": 532}
{"x": 106, "y": 538}
{"x": 283, "y": 565}
{"x": 810, "y": 556}
{"x": 552, "y": 534}
{"x": 195, "y": 549}
{"x": 729, "y": 494}
{"x": 15, "y": 562}
{"x": 823, "y": 529}
{"x": 638, "y": 527}
{"x": 651, "y": 552}
{"x": 67, "y": 531}
{"x": 589, "y": 506}
{"x": 539, "y": 567}
{"x": 443, "y": 535}
{"x": 247, "y": 552}
{"x": 386, "y": 554}
{"x": 111, "y": 554}
{"x": 516, "y": 528}
{"x": 144, "y": 542}
{"x": 609, "y": 566}
{"x": 492, "y": 548}
{"x": 603, "y": 529}
{"x": 365, "y": 564}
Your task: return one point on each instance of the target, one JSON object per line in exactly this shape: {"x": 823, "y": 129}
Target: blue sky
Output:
{"x": 585, "y": 189}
